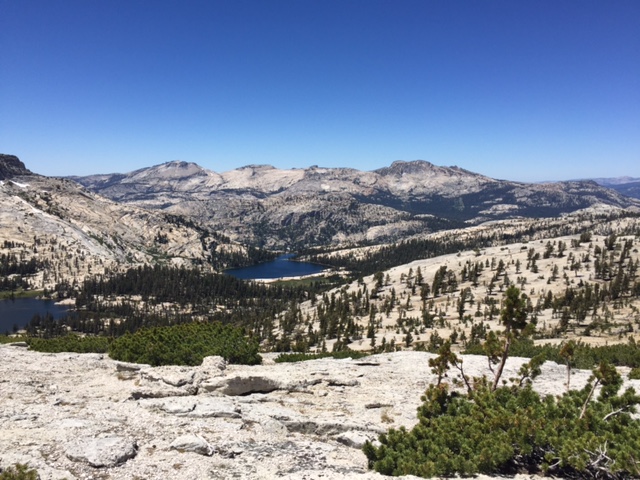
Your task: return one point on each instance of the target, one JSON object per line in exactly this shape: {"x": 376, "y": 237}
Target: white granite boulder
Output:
{"x": 192, "y": 443}
{"x": 101, "y": 452}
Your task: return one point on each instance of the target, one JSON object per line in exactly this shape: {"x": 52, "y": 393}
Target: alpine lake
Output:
{"x": 281, "y": 267}
{"x": 18, "y": 312}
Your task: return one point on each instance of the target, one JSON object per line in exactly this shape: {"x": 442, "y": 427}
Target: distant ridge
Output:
{"x": 300, "y": 208}
{"x": 628, "y": 186}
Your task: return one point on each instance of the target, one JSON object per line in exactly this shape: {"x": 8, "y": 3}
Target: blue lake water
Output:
{"x": 21, "y": 310}
{"x": 278, "y": 268}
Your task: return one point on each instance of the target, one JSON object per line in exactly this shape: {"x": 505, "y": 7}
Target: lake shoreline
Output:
{"x": 287, "y": 279}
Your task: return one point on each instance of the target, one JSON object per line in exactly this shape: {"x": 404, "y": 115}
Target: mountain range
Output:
{"x": 181, "y": 213}
{"x": 628, "y": 186}
{"x": 299, "y": 208}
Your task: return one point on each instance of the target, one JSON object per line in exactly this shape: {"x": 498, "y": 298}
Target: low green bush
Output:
{"x": 18, "y": 472}
{"x": 185, "y": 344}
{"x": 70, "y": 343}
{"x": 634, "y": 374}
{"x": 11, "y": 339}
{"x": 513, "y": 429}
{"x": 301, "y": 357}
{"x": 584, "y": 357}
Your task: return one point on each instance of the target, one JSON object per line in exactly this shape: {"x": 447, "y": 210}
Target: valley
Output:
{"x": 420, "y": 264}
{"x": 578, "y": 269}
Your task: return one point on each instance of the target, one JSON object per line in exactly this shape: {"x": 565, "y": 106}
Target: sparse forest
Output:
{"x": 582, "y": 283}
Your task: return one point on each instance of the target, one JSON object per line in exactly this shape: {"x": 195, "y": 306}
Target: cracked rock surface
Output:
{"x": 85, "y": 416}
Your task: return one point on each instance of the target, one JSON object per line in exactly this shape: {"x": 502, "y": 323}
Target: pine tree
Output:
{"x": 514, "y": 318}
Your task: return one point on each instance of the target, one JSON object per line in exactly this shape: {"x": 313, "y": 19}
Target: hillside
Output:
{"x": 316, "y": 206}
{"x": 580, "y": 286}
{"x": 580, "y": 274}
{"x": 71, "y": 233}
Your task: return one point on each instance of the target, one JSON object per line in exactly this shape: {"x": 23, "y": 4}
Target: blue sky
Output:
{"x": 520, "y": 90}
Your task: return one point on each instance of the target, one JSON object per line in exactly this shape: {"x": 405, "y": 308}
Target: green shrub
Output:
{"x": 11, "y": 339}
{"x": 185, "y": 344}
{"x": 19, "y": 472}
{"x": 634, "y": 374}
{"x": 69, "y": 343}
{"x": 584, "y": 357}
{"x": 514, "y": 429}
{"x": 301, "y": 357}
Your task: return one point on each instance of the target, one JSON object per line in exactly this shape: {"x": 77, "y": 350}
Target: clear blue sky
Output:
{"x": 520, "y": 90}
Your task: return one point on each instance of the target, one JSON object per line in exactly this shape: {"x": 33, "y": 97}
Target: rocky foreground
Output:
{"x": 85, "y": 416}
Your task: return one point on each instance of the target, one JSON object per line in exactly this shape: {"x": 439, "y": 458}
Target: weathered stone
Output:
{"x": 130, "y": 367}
{"x": 213, "y": 385}
{"x": 274, "y": 428}
{"x": 353, "y": 439}
{"x": 174, "y": 376}
{"x": 214, "y": 363}
{"x": 192, "y": 443}
{"x": 176, "y": 408}
{"x": 101, "y": 452}
{"x": 215, "y": 408}
{"x": 338, "y": 382}
{"x": 161, "y": 392}
{"x": 244, "y": 385}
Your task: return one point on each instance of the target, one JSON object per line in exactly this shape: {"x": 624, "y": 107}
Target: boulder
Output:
{"x": 192, "y": 443}
{"x": 213, "y": 364}
{"x": 215, "y": 408}
{"x": 248, "y": 384}
{"x": 171, "y": 375}
{"x": 274, "y": 428}
{"x": 244, "y": 385}
{"x": 130, "y": 367}
{"x": 353, "y": 439}
{"x": 101, "y": 452}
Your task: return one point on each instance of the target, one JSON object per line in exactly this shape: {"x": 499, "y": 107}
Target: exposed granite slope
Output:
{"x": 87, "y": 416}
